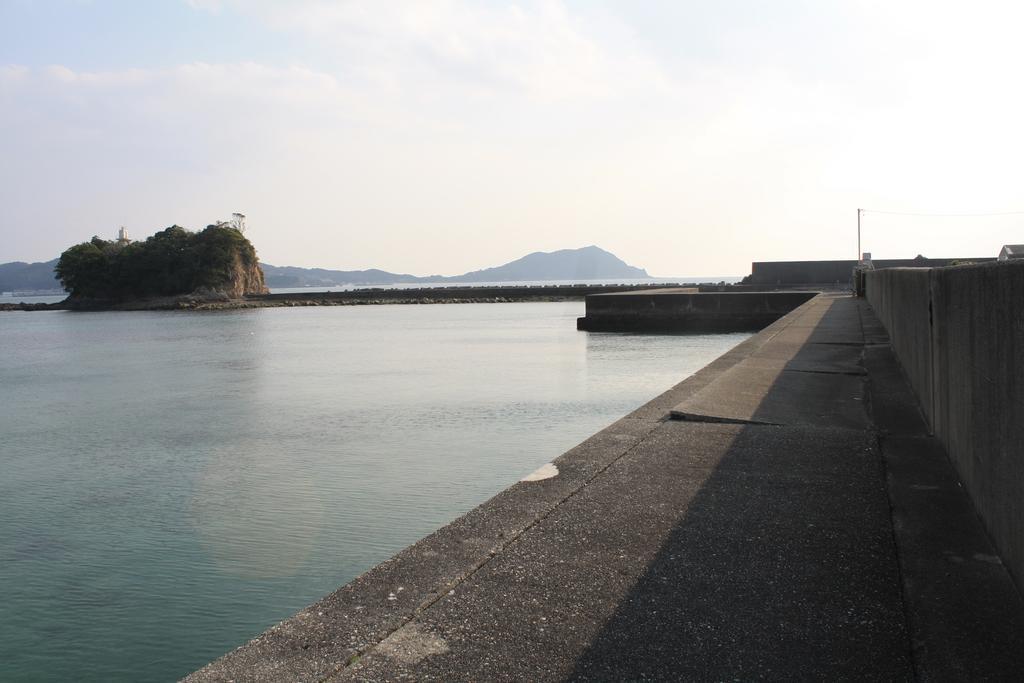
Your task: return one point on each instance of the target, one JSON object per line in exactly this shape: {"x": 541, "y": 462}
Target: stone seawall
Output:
{"x": 959, "y": 335}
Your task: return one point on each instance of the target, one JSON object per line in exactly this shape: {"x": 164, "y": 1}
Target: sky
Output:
{"x": 442, "y": 136}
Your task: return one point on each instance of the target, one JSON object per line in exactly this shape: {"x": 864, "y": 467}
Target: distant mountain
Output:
{"x": 588, "y": 263}
{"x": 20, "y": 276}
{"x": 291, "y": 276}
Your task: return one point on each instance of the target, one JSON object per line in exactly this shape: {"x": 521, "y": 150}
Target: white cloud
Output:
{"x": 537, "y": 48}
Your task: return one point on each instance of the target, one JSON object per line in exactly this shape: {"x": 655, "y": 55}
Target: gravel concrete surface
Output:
{"x": 797, "y": 523}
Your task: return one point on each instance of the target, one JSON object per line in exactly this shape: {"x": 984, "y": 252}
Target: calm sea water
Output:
{"x": 173, "y": 483}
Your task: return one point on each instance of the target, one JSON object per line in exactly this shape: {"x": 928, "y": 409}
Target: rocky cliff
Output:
{"x": 245, "y": 277}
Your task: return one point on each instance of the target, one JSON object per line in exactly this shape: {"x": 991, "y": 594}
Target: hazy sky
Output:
{"x": 439, "y": 136}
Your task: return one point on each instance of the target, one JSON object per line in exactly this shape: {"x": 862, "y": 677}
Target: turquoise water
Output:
{"x": 173, "y": 483}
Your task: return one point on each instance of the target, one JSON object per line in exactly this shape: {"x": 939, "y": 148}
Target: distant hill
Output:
{"x": 20, "y": 276}
{"x": 588, "y": 263}
{"x": 291, "y": 276}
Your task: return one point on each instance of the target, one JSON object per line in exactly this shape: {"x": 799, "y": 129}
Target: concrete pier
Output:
{"x": 782, "y": 514}
{"x": 686, "y": 310}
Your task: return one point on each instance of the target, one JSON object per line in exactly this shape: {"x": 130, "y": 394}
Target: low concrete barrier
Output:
{"x": 959, "y": 334}
{"x": 511, "y": 292}
{"x": 684, "y": 310}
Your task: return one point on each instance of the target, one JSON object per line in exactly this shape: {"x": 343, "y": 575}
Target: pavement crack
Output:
{"x": 837, "y": 343}
{"x": 683, "y": 416}
{"x": 850, "y": 373}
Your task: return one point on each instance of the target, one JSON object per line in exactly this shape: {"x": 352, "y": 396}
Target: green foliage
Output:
{"x": 171, "y": 262}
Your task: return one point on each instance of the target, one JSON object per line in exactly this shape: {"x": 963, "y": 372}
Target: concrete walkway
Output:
{"x": 782, "y": 514}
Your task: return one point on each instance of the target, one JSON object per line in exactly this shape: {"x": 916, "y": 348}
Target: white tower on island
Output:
{"x": 122, "y": 235}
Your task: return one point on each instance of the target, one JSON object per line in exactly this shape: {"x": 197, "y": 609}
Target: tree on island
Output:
{"x": 172, "y": 262}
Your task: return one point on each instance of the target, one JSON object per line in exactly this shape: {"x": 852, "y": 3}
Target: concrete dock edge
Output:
{"x": 780, "y": 533}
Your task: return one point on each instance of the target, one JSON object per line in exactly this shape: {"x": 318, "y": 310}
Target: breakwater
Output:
{"x": 766, "y": 532}
{"x": 686, "y": 310}
{"x": 356, "y": 297}
{"x": 958, "y": 333}
{"x": 451, "y": 294}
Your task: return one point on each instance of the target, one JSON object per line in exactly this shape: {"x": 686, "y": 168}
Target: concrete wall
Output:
{"x": 800, "y": 272}
{"x": 901, "y": 299}
{"x": 959, "y": 334}
{"x": 686, "y": 311}
{"x": 830, "y": 272}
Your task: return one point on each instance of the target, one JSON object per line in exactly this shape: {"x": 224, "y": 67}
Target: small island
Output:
{"x": 175, "y": 263}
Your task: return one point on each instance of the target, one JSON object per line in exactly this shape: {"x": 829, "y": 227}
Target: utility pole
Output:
{"x": 859, "y": 252}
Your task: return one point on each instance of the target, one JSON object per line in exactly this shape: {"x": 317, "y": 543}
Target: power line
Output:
{"x": 946, "y": 215}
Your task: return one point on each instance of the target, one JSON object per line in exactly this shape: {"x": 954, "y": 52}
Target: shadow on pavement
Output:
{"x": 782, "y": 564}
